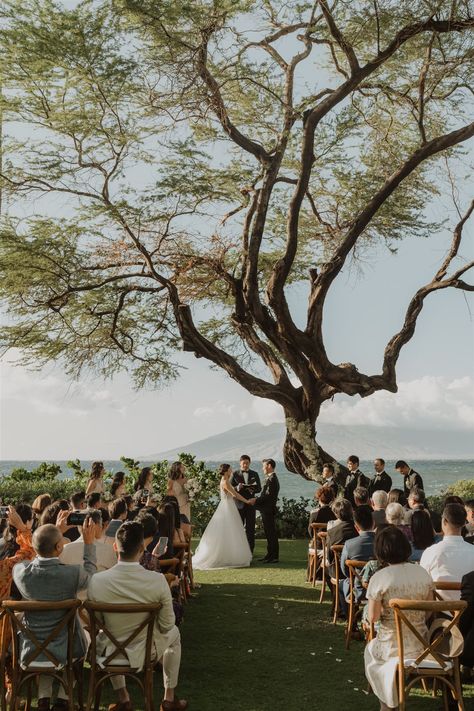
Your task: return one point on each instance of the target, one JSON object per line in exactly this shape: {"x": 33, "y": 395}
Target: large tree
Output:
{"x": 173, "y": 169}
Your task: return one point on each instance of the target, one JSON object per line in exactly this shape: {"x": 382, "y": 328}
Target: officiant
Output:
{"x": 247, "y": 483}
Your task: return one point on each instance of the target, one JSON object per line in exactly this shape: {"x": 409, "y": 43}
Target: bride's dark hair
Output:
{"x": 223, "y": 468}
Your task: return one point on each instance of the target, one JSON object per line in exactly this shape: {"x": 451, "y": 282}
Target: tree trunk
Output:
{"x": 301, "y": 453}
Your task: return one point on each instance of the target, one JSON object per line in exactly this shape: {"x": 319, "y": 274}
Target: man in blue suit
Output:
{"x": 45, "y": 578}
{"x": 359, "y": 548}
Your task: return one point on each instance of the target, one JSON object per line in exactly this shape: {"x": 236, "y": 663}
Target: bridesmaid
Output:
{"x": 118, "y": 487}
{"x": 177, "y": 487}
{"x": 96, "y": 479}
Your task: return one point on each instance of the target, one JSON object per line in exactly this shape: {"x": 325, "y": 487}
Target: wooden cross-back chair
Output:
{"x": 337, "y": 550}
{"x": 315, "y": 561}
{"x": 355, "y": 608}
{"x": 430, "y": 663}
{"x": 31, "y": 667}
{"x": 116, "y": 662}
{"x": 446, "y": 585}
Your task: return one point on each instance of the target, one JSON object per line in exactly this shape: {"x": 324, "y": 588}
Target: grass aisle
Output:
{"x": 256, "y": 639}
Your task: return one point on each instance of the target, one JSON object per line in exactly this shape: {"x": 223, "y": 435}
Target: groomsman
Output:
{"x": 247, "y": 483}
{"x": 354, "y": 479}
{"x": 267, "y": 505}
{"x": 381, "y": 481}
{"x": 411, "y": 478}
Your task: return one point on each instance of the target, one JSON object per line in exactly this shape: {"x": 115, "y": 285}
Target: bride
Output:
{"x": 224, "y": 543}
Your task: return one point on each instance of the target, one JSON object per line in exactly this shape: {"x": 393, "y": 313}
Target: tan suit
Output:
{"x": 130, "y": 583}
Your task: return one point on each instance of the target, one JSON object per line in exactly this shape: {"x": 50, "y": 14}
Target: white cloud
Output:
{"x": 429, "y": 402}
{"x": 216, "y": 408}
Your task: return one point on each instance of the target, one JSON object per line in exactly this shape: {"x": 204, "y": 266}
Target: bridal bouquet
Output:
{"x": 193, "y": 487}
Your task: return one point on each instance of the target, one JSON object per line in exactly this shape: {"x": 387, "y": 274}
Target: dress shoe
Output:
{"x": 122, "y": 706}
{"x": 176, "y": 705}
{"x": 43, "y": 704}
{"x": 263, "y": 560}
{"x": 60, "y": 705}
{"x": 272, "y": 560}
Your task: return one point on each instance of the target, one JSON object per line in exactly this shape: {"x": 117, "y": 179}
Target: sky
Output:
{"x": 43, "y": 415}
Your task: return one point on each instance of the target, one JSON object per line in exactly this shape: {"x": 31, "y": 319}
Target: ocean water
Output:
{"x": 437, "y": 474}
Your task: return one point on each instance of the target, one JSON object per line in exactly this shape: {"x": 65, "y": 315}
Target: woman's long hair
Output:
{"x": 175, "y": 471}
{"x": 141, "y": 481}
{"x": 97, "y": 470}
{"x": 117, "y": 481}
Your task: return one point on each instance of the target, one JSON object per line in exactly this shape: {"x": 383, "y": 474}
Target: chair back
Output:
{"x": 337, "y": 550}
{"x": 453, "y": 608}
{"x": 355, "y": 573}
{"x": 98, "y": 611}
{"x": 317, "y": 528}
{"x": 446, "y": 585}
{"x": 19, "y": 627}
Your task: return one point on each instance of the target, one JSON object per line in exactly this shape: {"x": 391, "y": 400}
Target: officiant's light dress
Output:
{"x": 223, "y": 543}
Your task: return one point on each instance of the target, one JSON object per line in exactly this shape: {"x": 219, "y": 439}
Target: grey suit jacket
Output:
{"x": 47, "y": 579}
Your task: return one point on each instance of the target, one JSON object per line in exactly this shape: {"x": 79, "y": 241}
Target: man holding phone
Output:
{"x": 73, "y": 553}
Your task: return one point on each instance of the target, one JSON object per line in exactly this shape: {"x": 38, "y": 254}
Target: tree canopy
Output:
{"x": 173, "y": 169}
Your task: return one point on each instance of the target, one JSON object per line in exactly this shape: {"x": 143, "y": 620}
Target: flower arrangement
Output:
{"x": 193, "y": 487}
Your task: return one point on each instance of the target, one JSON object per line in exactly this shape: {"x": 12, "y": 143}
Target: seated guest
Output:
{"x": 132, "y": 509}
{"x": 150, "y": 537}
{"x": 166, "y": 527}
{"x": 397, "y": 578}
{"x": 329, "y": 478}
{"x": 361, "y": 496}
{"x": 468, "y": 532}
{"x": 417, "y": 502}
{"x": 9, "y": 544}
{"x": 423, "y": 534}
{"x": 379, "y": 504}
{"x": 118, "y": 487}
{"x": 143, "y": 486}
{"x": 38, "y": 506}
{"x": 451, "y": 558}
{"x": 395, "y": 515}
{"x": 179, "y": 536}
{"x": 129, "y": 582}
{"x": 381, "y": 481}
{"x": 359, "y": 548}
{"x": 323, "y": 512}
{"x": 45, "y": 579}
{"x": 397, "y": 496}
{"x": 94, "y": 500}
{"x": 73, "y": 553}
{"x": 342, "y": 530}
{"x": 118, "y": 511}
{"x": 78, "y": 504}
{"x": 24, "y": 551}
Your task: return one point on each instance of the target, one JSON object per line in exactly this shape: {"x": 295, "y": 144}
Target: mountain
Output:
{"x": 367, "y": 441}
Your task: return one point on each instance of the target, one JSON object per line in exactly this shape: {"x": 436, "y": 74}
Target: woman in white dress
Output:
{"x": 224, "y": 543}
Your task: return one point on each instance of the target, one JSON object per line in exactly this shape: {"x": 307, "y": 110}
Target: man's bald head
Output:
{"x": 45, "y": 541}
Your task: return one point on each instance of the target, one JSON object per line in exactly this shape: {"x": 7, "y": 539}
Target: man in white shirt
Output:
{"x": 451, "y": 558}
{"x": 106, "y": 557}
{"x": 128, "y": 582}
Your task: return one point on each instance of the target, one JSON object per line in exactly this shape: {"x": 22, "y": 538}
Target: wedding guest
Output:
{"x": 381, "y": 481}
{"x": 451, "y": 558}
{"x": 342, "y": 530}
{"x": 9, "y": 543}
{"x": 323, "y": 512}
{"x": 395, "y": 515}
{"x": 77, "y": 504}
{"x": 118, "y": 488}
{"x": 354, "y": 478}
{"x": 329, "y": 478}
{"x": 397, "y": 496}
{"x": 360, "y": 547}
{"x": 423, "y": 534}
{"x": 177, "y": 487}
{"x": 417, "y": 502}
{"x": 466, "y": 623}
{"x": 379, "y": 504}
{"x": 410, "y": 477}
{"x": 24, "y": 550}
{"x": 361, "y": 496}
{"x": 51, "y": 512}
{"x": 469, "y": 528}
{"x": 397, "y": 578}
{"x": 247, "y": 482}
{"x": 178, "y": 534}
{"x": 94, "y": 501}
{"x": 96, "y": 479}
{"x": 166, "y": 527}
{"x": 38, "y": 506}
{"x": 44, "y": 579}
{"x": 129, "y": 582}
{"x": 73, "y": 553}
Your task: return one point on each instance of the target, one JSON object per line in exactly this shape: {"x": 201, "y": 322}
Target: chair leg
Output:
{"x": 458, "y": 685}
{"x": 401, "y": 689}
{"x": 424, "y": 683}
{"x": 323, "y": 583}
{"x": 29, "y": 695}
{"x": 445, "y": 697}
{"x": 79, "y": 677}
{"x": 350, "y": 622}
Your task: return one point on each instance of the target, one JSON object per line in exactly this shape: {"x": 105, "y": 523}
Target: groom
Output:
{"x": 267, "y": 505}
{"x": 247, "y": 483}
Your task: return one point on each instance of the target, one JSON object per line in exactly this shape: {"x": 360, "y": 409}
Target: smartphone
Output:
{"x": 4, "y": 511}
{"x": 160, "y": 547}
{"x": 112, "y": 528}
{"x": 145, "y": 494}
{"x": 76, "y": 518}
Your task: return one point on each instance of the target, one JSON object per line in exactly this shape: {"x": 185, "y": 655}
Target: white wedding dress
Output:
{"x": 223, "y": 543}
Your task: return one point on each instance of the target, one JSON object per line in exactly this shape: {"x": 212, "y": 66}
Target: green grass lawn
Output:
{"x": 256, "y": 639}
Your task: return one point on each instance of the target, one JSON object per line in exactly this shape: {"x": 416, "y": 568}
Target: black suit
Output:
{"x": 247, "y": 511}
{"x": 466, "y": 624}
{"x": 353, "y": 480}
{"x": 338, "y": 535}
{"x": 380, "y": 482}
{"x": 267, "y": 505}
{"x": 411, "y": 480}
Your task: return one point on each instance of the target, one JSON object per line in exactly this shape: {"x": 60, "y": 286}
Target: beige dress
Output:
{"x": 181, "y": 494}
{"x": 408, "y": 581}
{"x": 95, "y": 486}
